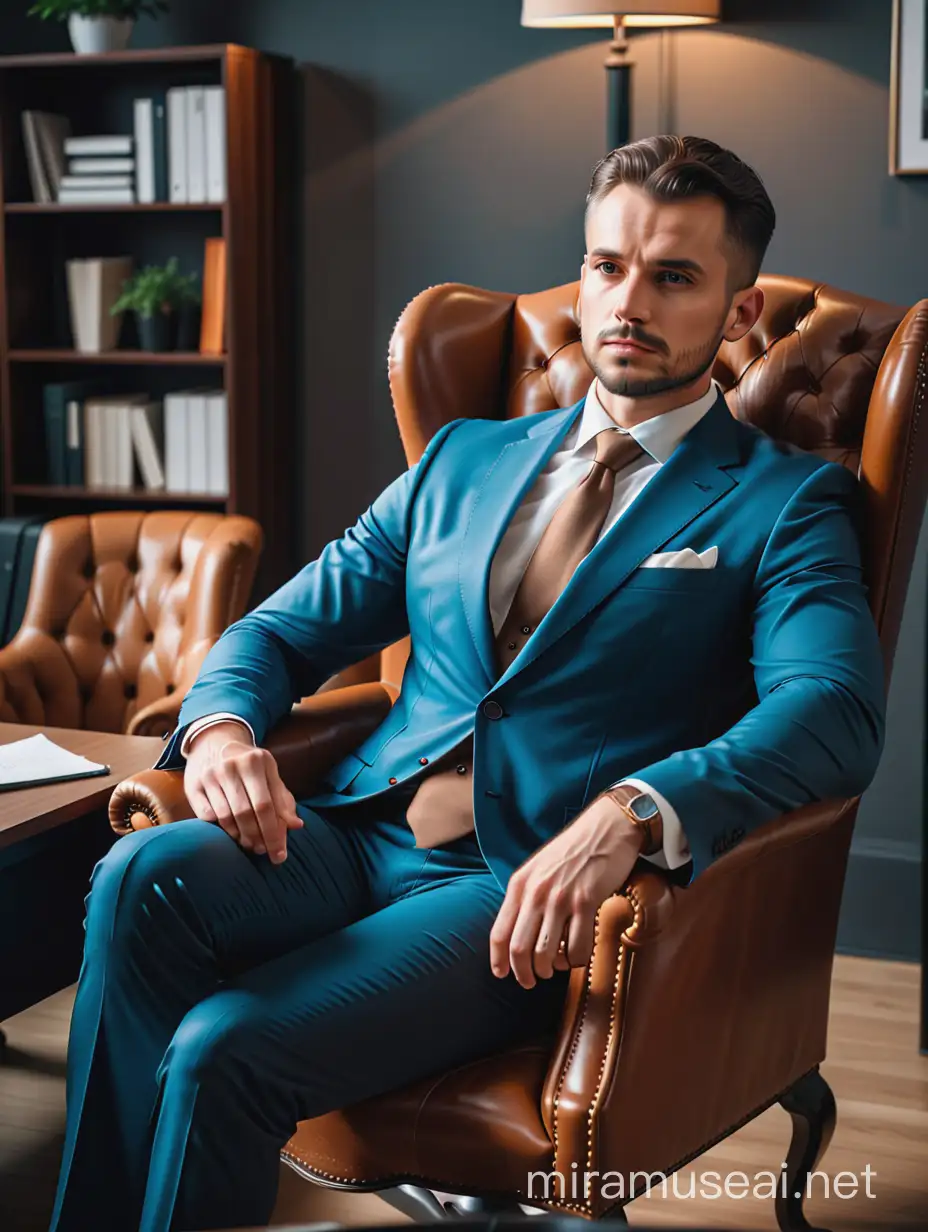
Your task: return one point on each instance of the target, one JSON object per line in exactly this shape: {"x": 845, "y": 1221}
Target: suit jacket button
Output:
{"x": 392, "y": 781}
{"x": 423, "y": 761}
{"x": 492, "y": 709}
{"x": 462, "y": 769}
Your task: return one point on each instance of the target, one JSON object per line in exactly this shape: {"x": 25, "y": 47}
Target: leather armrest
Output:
{"x": 631, "y": 918}
{"x": 701, "y": 1002}
{"x": 313, "y": 737}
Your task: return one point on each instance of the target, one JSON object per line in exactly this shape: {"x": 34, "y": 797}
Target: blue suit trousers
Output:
{"x": 222, "y": 999}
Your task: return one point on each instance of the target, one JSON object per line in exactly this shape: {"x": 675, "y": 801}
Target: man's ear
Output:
{"x": 747, "y": 307}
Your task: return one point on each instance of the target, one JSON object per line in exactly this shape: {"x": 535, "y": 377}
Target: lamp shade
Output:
{"x": 587, "y": 14}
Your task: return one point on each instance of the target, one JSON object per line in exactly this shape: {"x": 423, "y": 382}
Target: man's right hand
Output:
{"x": 232, "y": 783}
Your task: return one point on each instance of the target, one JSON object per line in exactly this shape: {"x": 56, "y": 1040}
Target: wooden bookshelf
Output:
{"x": 257, "y": 223}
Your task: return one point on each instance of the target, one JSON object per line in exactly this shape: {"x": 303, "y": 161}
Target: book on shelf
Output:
{"x": 102, "y": 166}
{"x": 108, "y": 441}
{"x": 196, "y": 436}
{"x": 213, "y": 320}
{"x": 94, "y": 285}
{"x": 96, "y": 181}
{"x": 44, "y": 138}
{"x": 216, "y": 173}
{"x": 103, "y": 442}
{"x": 97, "y": 196}
{"x": 196, "y": 144}
{"x": 147, "y": 427}
{"x": 151, "y": 151}
{"x": 196, "y": 135}
{"x": 103, "y": 144}
{"x": 63, "y": 434}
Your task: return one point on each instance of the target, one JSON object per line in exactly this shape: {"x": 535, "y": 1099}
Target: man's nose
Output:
{"x": 632, "y": 301}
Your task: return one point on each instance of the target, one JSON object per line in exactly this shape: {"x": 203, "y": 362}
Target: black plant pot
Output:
{"x": 188, "y": 327}
{"x": 158, "y": 333}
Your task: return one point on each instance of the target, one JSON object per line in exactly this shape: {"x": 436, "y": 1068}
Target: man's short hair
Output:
{"x": 672, "y": 168}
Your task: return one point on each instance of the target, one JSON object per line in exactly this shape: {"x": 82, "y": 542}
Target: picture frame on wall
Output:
{"x": 908, "y": 90}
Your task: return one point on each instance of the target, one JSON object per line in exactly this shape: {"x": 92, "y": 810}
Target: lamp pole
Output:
{"x": 619, "y": 72}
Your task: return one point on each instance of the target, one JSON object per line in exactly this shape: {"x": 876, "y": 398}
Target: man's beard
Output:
{"x": 688, "y": 367}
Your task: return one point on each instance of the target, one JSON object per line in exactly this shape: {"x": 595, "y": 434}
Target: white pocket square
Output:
{"x": 686, "y": 558}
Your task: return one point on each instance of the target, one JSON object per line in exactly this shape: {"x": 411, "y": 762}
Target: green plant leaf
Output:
{"x": 61, "y": 10}
{"x": 157, "y": 288}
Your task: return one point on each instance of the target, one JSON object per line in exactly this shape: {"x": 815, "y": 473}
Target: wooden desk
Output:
{"x": 33, "y": 810}
{"x": 50, "y": 839}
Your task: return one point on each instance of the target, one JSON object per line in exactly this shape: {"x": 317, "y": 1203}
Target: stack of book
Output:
{"x": 102, "y": 441}
{"x": 176, "y": 152}
{"x": 101, "y": 171}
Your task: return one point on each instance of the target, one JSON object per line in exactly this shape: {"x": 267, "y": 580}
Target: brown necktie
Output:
{"x": 442, "y": 808}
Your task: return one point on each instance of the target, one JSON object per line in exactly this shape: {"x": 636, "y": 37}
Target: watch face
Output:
{"x": 643, "y": 807}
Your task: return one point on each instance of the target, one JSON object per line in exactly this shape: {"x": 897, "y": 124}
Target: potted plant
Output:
{"x": 156, "y": 294}
{"x": 98, "y": 26}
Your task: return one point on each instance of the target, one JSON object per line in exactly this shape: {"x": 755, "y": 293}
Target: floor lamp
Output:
{"x": 616, "y": 15}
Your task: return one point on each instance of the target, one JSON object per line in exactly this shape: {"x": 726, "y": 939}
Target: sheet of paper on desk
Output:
{"x": 37, "y": 760}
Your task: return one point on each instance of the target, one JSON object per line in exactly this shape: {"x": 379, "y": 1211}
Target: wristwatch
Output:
{"x": 642, "y": 811}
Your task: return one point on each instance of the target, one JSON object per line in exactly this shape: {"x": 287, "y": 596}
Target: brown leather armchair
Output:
{"x": 727, "y": 981}
{"x": 123, "y": 607}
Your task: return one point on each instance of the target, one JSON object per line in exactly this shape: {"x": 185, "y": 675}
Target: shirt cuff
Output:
{"x": 209, "y": 720}
{"x": 676, "y": 850}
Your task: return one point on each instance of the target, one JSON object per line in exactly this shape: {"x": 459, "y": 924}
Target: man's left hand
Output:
{"x": 555, "y": 895}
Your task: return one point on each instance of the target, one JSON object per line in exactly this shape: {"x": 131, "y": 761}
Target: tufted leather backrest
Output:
{"x": 827, "y": 370}
{"x": 122, "y": 609}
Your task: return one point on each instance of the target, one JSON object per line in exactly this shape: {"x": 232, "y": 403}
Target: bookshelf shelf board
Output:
{"x": 51, "y": 492}
{"x": 156, "y": 55}
{"x": 33, "y": 207}
{"x": 150, "y": 359}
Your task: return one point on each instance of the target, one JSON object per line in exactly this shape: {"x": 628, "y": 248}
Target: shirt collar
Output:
{"x": 658, "y": 436}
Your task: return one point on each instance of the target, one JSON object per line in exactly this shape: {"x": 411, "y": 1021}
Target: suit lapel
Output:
{"x": 504, "y": 486}
{"x": 691, "y": 481}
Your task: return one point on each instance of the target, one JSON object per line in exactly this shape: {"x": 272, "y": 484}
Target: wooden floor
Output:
{"x": 878, "y": 1076}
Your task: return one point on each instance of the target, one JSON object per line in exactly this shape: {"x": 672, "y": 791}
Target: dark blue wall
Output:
{"x": 441, "y": 141}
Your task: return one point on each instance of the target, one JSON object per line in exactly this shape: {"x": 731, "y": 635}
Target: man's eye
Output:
{"x": 607, "y": 267}
{"x": 673, "y": 274}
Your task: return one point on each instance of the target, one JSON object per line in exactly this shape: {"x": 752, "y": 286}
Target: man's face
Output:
{"x": 654, "y": 298}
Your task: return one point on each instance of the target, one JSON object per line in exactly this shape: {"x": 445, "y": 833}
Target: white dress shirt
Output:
{"x": 658, "y": 437}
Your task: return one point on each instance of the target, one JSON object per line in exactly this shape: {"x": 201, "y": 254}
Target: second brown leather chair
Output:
{"x": 123, "y": 608}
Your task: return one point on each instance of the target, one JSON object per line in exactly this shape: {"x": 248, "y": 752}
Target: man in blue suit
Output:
{"x": 638, "y": 629}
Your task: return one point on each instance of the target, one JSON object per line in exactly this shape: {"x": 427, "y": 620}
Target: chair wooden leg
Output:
{"x": 811, "y": 1104}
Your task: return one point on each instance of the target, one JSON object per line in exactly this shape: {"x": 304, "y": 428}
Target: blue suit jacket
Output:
{"x": 739, "y": 692}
